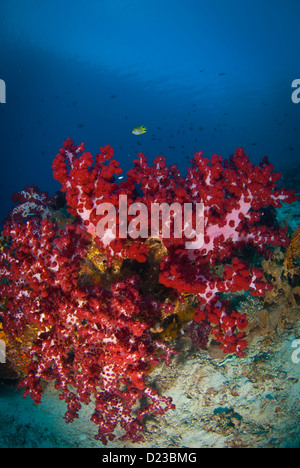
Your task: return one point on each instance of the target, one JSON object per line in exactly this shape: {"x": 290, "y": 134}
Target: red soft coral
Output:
{"x": 96, "y": 342}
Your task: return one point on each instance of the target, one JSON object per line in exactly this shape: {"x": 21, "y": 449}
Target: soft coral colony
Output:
{"x": 99, "y": 311}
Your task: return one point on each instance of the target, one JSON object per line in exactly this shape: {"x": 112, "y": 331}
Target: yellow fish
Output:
{"x": 139, "y": 130}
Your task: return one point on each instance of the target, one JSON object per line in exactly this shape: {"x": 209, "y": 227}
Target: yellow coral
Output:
{"x": 17, "y": 348}
{"x": 97, "y": 258}
{"x": 2, "y": 334}
{"x": 94, "y": 268}
{"x": 292, "y": 255}
{"x": 170, "y": 329}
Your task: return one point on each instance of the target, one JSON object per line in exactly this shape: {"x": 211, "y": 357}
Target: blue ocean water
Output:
{"x": 210, "y": 76}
